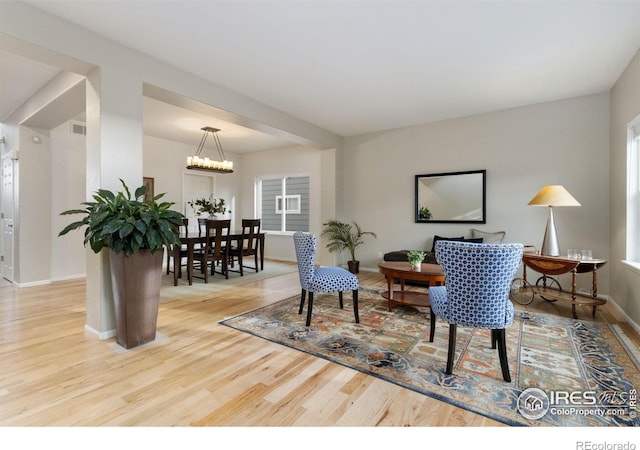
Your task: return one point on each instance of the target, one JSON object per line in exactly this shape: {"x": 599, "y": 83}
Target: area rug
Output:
{"x": 564, "y": 372}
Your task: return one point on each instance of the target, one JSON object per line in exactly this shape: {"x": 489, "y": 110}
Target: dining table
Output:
{"x": 192, "y": 241}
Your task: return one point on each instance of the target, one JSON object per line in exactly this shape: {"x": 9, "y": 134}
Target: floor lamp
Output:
{"x": 552, "y": 196}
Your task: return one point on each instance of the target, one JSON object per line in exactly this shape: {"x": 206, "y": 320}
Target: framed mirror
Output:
{"x": 455, "y": 197}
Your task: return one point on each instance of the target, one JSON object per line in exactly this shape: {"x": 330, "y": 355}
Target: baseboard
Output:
{"x": 70, "y": 277}
{"x": 634, "y": 325}
{"x": 33, "y": 283}
{"x": 102, "y": 335}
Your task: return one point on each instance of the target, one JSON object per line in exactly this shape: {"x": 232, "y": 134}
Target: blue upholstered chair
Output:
{"x": 321, "y": 279}
{"x": 476, "y": 292}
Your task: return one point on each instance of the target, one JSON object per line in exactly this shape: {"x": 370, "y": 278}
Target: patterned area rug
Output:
{"x": 582, "y": 374}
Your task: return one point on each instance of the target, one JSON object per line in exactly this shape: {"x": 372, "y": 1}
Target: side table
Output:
{"x": 558, "y": 265}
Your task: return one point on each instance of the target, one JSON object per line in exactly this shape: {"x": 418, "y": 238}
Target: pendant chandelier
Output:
{"x": 197, "y": 162}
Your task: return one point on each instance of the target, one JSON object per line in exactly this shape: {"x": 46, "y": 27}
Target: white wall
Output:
{"x": 34, "y": 216}
{"x": 68, "y": 184}
{"x": 523, "y": 149}
{"x": 625, "y": 105}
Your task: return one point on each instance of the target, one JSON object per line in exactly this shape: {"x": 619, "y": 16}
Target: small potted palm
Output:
{"x": 345, "y": 236}
{"x": 135, "y": 232}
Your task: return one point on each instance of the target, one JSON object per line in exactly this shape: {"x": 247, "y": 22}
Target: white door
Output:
{"x": 7, "y": 215}
{"x": 195, "y": 186}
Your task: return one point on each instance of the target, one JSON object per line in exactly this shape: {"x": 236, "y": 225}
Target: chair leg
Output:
{"x": 340, "y": 299}
{"x": 204, "y": 264}
{"x": 502, "y": 352}
{"x": 494, "y": 338}
{"x": 432, "y": 321}
{"x": 302, "y": 298}
{"x": 452, "y": 347}
{"x": 355, "y": 305}
{"x": 310, "y": 307}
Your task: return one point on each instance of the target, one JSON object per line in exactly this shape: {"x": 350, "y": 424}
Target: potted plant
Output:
{"x": 415, "y": 258}
{"x": 210, "y": 207}
{"x": 424, "y": 213}
{"x": 135, "y": 231}
{"x": 345, "y": 236}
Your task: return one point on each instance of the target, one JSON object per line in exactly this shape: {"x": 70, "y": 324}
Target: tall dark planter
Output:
{"x": 354, "y": 266}
{"x": 136, "y": 281}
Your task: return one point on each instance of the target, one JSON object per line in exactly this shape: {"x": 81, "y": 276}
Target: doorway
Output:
{"x": 7, "y": 214}
{"x": 195, "y": 185}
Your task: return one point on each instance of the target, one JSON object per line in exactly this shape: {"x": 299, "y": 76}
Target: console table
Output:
{"x": 401, "y": 270}
{"x": 550, "y": 289}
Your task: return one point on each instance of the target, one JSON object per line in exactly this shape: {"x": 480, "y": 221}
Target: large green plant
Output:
{"x": 344, "y": 236}
{"x": 127, "y": 224}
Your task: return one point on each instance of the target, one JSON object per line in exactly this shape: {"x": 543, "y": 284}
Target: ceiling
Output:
{"x": 22, "y": 77}
{"x": 354, "y": 67}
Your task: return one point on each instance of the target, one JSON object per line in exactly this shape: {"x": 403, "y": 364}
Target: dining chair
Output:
{"x": 246, "y": 246}
{"x": 182, "y": 255}
{"x": 321, "y": 279}
{"x": 477, "y": 280}
{"x": 215, "y": 249}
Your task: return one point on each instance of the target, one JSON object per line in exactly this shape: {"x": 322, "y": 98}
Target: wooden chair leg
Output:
{"x": 452, "y": 347}
{"x": 355, "y": 305}
{"x": 501, "y": 336}
{"x": 302, "y": 298}
{"x": 309, "y": 308}
{"x": 340, "y": 299}
{"x": 204, "y": 263}
{"x": 432, "y": 330}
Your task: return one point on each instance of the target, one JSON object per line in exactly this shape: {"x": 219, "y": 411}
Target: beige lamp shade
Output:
{"x": 554, "y": 195}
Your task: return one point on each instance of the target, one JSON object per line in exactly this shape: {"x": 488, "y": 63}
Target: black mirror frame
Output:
{"x": 469, "y": 172}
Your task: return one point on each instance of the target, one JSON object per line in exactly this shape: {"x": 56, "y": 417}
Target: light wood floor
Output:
{"x": 200, "y": 374}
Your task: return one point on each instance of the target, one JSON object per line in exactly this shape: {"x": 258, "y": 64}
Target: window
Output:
{"x": 292, "y": 204}
{"x": 283, "y": 203}
{"x": 633, "y": 191}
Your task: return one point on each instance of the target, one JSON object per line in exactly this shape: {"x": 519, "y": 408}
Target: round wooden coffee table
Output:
{"x": 401, "y": 270}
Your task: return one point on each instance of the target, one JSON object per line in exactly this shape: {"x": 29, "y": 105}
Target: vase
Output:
{"x": 136, "y": 281}
{"x": 416, "y": 266}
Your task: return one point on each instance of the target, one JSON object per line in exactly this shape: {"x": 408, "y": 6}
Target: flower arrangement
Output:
{"x": 415, "y": 258}
{"x": 210, "y": 206}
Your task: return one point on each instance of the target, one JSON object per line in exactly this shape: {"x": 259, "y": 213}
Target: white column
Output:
{"x": 114, "y": 151}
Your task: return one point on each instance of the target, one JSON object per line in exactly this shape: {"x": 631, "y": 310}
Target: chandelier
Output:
{"x": 197, "y": 162}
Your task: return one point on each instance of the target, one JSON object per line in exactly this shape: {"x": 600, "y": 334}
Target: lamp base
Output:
{"x": 550, "y": 246}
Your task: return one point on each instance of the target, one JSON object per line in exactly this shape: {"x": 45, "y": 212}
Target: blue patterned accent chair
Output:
{"x": 476, "y": 292}
{"x": 321, "y": 279}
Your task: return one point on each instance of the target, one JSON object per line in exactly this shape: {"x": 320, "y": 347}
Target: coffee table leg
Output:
{"x": 390, "y": 289}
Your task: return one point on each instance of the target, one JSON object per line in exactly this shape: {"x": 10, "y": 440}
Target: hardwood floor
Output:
{"x": 197, "y": 373}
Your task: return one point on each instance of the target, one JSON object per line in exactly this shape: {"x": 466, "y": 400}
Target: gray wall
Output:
{"x": 625, "y": 105}
{"x": 564, "y": 142}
